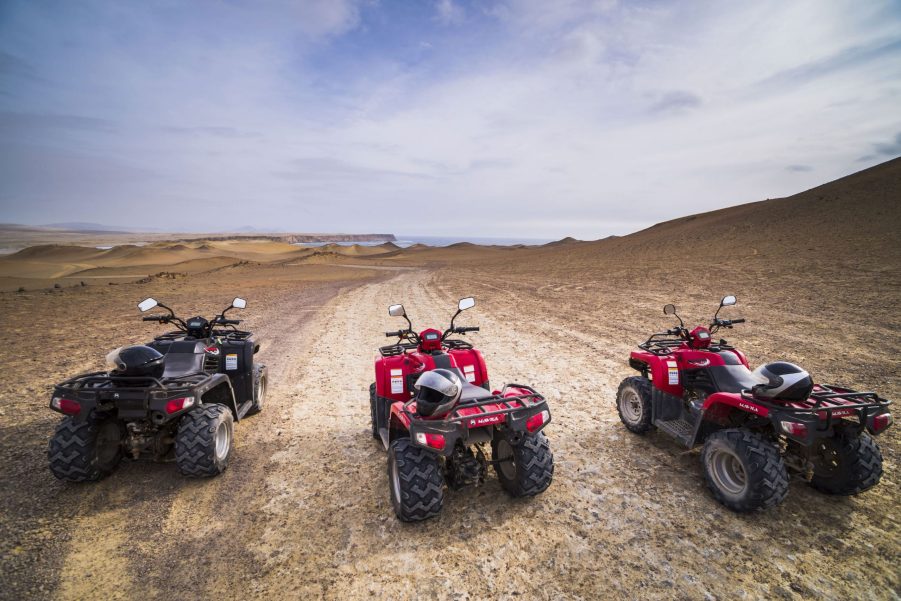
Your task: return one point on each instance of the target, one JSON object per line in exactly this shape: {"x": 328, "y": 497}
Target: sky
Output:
{"x": 511, "y": 118}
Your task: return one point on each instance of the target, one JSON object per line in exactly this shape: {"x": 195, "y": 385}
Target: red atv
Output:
{"x": 754, "y": 425}
{"x": 433, "y": 410}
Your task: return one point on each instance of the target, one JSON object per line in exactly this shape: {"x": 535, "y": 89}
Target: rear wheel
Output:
{"x": 744, "y": 470}
{"x": 416, "y": 481}
{"x": 85, "y": 451}
{"x": 633, "y": 401}
{"x": 526, "y": 469}
{"x": 203, "y": 442}
{"x": 846, "y": 464}
{"x": 373, "y": 412}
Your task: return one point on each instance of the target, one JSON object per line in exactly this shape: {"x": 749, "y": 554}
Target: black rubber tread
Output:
{"x": 534, "y": 465}
{"x": 643, "y": 387}
{"x": 372, "y": 415}
{"x": 72, "y": 452}
{"x": 763, "y": 465}
{"x": 257, "y": 378}
{"x": 195, "y": 441}
{"x": 421, "y": 481}
{"x": 859, "y": 469}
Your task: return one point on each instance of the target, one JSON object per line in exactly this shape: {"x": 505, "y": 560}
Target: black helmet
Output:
{"x": 783, "y": 381}
{"x": 437, "y": 392}
{"x": 135, "y": 360}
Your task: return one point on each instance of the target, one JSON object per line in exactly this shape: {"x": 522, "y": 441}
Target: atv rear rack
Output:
{"x": 828, "y": 394}
{"x": 102, "y": 379}
{"x": 532, "y": 401}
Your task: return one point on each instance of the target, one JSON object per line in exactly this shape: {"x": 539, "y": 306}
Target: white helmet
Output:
{"x": 784, "y": 381}
{"x": 437, "y": 392}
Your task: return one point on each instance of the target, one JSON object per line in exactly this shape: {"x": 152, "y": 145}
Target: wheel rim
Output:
{"x": 223, "y": 441}
{"x": 728, "y": 472}
{"x": 505, "y": 459}
{"x": 394, "y": 477}
{"x": 630, "y": 406}
{"x": 109, "y": 438}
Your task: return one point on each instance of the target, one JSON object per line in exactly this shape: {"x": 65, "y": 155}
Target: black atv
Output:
{"x": 176, "y": 398}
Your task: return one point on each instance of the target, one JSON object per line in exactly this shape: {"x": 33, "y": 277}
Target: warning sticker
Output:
{"x": 231, "y": 362}
{"x": 397, "y": 381}
{"x": 469, "y": 371}
{"x": 672, "y": 372}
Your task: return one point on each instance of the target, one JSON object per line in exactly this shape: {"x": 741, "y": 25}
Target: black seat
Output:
{"x": 733, "y": 378}
{"x": 470, "y": 392}
{"x": 183, "y": 358}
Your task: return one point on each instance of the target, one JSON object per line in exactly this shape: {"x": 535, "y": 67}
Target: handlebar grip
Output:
{"x": 464, "y": 329}
{"x": 232, "y": 322}
{"x": 150, "y": 318}
{"x": 740, "y": 320}
{"x": 393, "y": 334}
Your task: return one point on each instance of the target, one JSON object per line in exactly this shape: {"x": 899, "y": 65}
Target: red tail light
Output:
{"x": 435, "y": 441}
{"x": 794, "y": 429}
{"x": 176, "y": 405}
{"x": 537, "y": 420}
{"x": 881, "y": 422}
{"x": 67, "y": 406}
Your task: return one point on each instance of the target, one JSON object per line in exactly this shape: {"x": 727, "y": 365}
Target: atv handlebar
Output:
{"x": 159, "y": 318}
{"x": 464, "y": 329}
{"x": 228, "y": 322}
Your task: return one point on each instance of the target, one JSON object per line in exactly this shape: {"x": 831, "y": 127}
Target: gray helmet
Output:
{"x": 437, "y": 392}
{"x": 783, "y": 381}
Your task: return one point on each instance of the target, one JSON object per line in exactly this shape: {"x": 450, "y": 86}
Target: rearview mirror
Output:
{"x": 466, "y": 303}
{"x": 239, "y": 303}
{"x": 397, "y": 311}
{"x": 727, "y": 301}
{"x": 669, "y": 309}
{"x": 147, "y": 304}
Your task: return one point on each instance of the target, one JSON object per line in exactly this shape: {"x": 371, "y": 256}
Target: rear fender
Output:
{"x": 219, "y": 391}
{"x": 719, "y": 406}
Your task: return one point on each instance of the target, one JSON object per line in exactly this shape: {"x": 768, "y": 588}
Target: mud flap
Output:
{"x": 665, "y": 406}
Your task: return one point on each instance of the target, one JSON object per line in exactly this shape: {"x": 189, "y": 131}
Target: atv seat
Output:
{"x": 733, "y": 378}
{"x": 470, "y": 392}
{"x": 183, "y": 358}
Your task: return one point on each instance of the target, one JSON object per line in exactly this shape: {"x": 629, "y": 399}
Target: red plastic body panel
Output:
{"x": 666, "y": 370}
{"x": 392, "y": 373}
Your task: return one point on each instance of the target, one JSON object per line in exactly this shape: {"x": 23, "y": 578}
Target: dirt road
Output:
{"x": 303, "y": 510}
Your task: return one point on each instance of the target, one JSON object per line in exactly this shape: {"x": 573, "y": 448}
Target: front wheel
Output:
{"x": 526, "y": 469}
{"x": 633, "y": 402}
{"x": 416, "y": 481}
{"x": 744, "y": 470}
{"x": 260, "y": 385}
{"x": 203, "y": 442}
{"x": 846, "y": 464}
{"x": 85, "y": 451}
{"x": 373, "y": 412}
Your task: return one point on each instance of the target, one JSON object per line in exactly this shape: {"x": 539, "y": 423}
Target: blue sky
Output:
{"x": 515, "y": 118}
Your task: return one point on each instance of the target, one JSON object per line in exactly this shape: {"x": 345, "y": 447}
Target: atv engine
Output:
{"x": 465, "y": 468}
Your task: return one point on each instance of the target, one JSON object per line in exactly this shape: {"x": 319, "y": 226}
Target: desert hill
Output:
{"x": 855, "y": 221}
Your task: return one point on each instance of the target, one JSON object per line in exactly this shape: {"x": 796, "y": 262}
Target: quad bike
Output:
{"x": 432, "y": 443}
{"x": 175, "y": 398}
{"x": 754, "y": 425}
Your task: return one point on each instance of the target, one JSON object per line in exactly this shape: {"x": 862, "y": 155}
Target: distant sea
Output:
{"x": 405, "y": 241}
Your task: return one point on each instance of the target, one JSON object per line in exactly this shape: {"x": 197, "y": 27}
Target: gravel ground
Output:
{"x": 303, "y": 510}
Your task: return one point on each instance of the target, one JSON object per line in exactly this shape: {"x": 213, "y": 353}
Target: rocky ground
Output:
{"x": 303, "y": 510}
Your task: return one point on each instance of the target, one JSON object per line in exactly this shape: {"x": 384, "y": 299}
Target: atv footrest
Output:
{"x": 680, "y": 429}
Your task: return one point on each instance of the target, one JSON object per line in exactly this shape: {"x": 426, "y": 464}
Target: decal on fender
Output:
{"x": 673, "y": 373}
{"x": 469, "y": 371}
{"x": 231, "y": 362}
{"x": 397, "y": 381}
